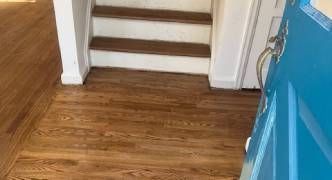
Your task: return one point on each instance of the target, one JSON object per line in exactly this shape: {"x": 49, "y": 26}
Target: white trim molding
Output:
{"x": 225, "y": 83}
{"x": 264, "y": 23}
{"x": 249, "y": 37}
{"x": 230, "y": 31}
{"x": 74, "y": 79}
{"x": 88, "y": 33}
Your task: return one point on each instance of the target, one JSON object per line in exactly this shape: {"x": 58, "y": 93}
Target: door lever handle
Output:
{"x": 276, "y": 53}
{"x": 259, "y": 70}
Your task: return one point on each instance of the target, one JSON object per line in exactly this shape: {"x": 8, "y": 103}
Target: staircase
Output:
{"x": 163, "y": 35}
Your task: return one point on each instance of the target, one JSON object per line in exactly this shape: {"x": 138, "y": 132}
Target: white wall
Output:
{"x": 72, "y": 18}
{"x": 231, "y": 21}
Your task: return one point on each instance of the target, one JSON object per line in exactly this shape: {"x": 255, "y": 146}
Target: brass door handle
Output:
{"x": 259, "y": 70}
{"x": 276, "y": 53}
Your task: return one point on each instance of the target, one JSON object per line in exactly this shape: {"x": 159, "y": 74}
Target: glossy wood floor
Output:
{"x": 29, "y": 68}
{"x": 140, "y": 125}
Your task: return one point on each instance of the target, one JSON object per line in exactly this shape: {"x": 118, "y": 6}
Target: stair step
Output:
{"x": 150, "y": 47}
{"x": 178, "y": 5}
{"x": 152, "y": 15}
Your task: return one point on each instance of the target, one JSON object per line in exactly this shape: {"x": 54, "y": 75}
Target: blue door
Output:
{"x": 292, "y": 136}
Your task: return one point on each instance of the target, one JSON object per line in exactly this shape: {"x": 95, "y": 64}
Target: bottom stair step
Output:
{"x": 150, "y": 47}
{"x": 150, "y": 55}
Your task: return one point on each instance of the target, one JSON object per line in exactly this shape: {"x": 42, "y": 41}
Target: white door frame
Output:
{"x": 255, "y": 17}
{"x": 248, "y": 42}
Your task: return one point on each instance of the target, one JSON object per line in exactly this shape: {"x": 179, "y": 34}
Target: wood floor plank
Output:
{"x": 152, "y": 15}
{"x": 150, "y": 47}
{"x": 30, "y": 67}
{"x": 125, "y": 124}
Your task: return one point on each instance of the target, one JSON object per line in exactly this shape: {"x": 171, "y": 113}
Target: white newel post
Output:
{"x": 72, "y": 19}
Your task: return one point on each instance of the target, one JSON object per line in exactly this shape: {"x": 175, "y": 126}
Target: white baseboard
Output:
{"x": 75, "y": 79}
{"x": 227, "y": 83}
{"x": 180, "y": 64}
{"x": 71, "y": 79}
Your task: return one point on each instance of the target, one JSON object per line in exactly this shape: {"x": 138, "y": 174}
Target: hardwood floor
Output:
{"x": 140, "y": 125}
{"x": 120, "y": 125}
{"x": 29, "y": 68}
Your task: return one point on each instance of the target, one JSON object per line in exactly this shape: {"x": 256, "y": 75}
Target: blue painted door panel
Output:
{"x": 292, "y": 139}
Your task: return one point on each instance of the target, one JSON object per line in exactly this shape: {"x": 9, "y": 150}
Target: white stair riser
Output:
{"x": 180, "y": 64}
{"x": 181, "y": 5}
{"x": 151, "y": 30}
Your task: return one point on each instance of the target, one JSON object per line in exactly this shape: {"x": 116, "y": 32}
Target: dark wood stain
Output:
{"x": 152, "y": 15}
{"x": 150, "y": 47}
{"x": 125, "y": 124}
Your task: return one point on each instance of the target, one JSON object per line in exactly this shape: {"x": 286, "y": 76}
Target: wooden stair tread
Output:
{"x": 150, "y": 47}
{"x": 152, "y": 15}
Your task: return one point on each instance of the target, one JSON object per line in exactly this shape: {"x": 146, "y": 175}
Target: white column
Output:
{"x": 72, "y": 19}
